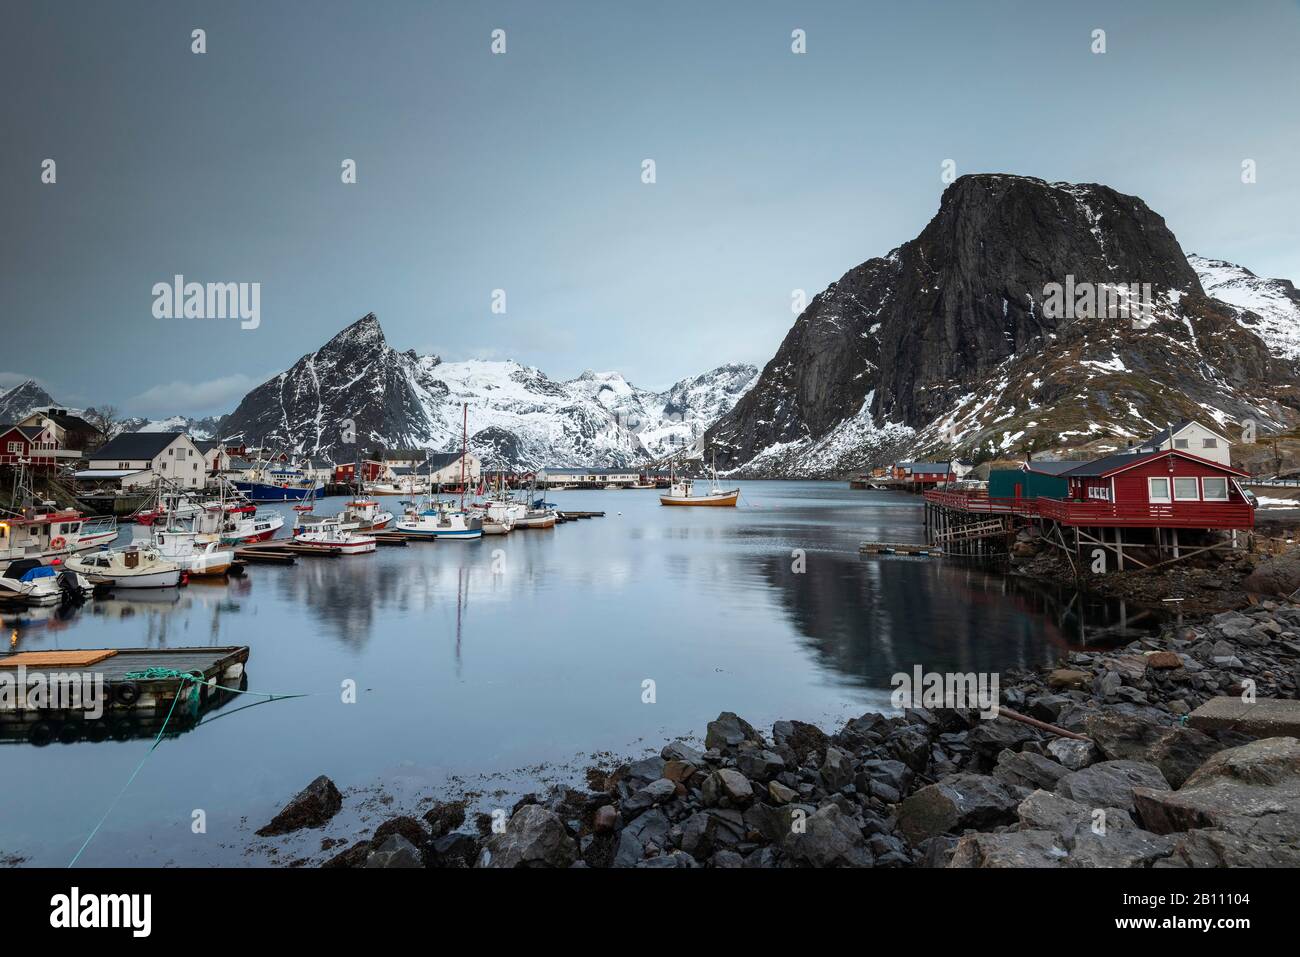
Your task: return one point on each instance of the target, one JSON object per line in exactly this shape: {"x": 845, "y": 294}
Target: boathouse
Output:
{"x": 588, "y": 478}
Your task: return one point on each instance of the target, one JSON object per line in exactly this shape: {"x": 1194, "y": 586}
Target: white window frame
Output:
{"x": 1196, "y": 488}
{"x": 1209, "y": 443}
{"x": 1214, "y": 478}
{"x": 1151, "y": 495}
{"x": 1181, "y": 443}
{"x": 1099, "y": 492}
{"x": 15, "y": 448}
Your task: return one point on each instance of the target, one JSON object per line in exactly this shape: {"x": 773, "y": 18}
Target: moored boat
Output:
{"x": 334, "y": 538}
{"x": 682, "y": 492}
{"x": 136, "y": 566}
{"x": 48, "y": 533}
{"x": 28, "y": 582}
{"x": 443, "y": 523}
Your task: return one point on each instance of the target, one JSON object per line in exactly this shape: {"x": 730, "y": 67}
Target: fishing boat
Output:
{"x": 334, "y": 537}
{"x": 136, "y": 566}
{"x": 280, "y": 483}
{"x": 442, "y": 521}
{"x": 47, "y": 532}
{"x": 28, "y": 582}
{"x": 240, "y": 528}
{"x": 682, "y": 492}
{"x": 367, "y": 515}
{"x": 197, "y": 554}
{"x": 539, "y": 518}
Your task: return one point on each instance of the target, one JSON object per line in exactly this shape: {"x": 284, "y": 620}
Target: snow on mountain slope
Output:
{"x": 518, "y": 417}
{"x": 20, "y": 401}
{"x": 1270, "y": 308}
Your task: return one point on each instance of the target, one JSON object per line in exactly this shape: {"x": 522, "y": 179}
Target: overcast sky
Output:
{"x": 523, "y": 171}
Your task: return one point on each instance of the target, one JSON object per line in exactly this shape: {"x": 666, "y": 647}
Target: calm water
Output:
{"x": 472, "y": 662}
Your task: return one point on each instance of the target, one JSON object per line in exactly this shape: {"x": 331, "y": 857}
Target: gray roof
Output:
{"x": 438, "y": 460}
{"x": 627, "y": 471}
{"x": 944, "y": 467}
{"x": 134, "y": 445}
{"x": 1103, "y": 465}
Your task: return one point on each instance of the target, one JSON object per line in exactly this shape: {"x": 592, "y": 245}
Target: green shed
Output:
{"x": 1016, "y": 483}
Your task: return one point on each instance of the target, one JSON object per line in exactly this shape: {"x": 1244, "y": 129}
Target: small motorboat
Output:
{"x": 334, "y": 538}
{"x": 367, "y": 515}
{"x": 493, "y": 527}
{"x": 28, "y": 582}
{"x": 443, "y": 522}
{"x": 538, "y": 518}
{"x": 136, "y": 566}
{"x": 241, "y": 528}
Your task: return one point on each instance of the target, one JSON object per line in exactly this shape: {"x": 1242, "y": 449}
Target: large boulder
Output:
{"x": 1111, "y": 783}
{"x": 827, "y": 838}
{"x": 1251, "y": 791}
{"x": 313, "y": 806}
{"x": 800, "y": 737}
{"x": 1009, "y": 849}
{"x": 1045, "y": 811}
{"x": 1210, "y": 847}
{"x": 534, "y": 837}
{"x": 955, "y": 803}
{"x": 728, "y": 732}
{"x": 1176, "y": 750}
{"x": 727, "y": 787}
{"x": 1279, "y": 575}
{"x": 396, "y": 851}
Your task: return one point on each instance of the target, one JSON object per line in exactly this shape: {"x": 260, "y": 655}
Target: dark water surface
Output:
{"x": 471, "y": 661}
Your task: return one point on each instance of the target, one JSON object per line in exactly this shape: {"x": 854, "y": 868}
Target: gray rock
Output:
{"x": 1119, "y": 847}
{"x": 396, "y": 851}
{"x": 1073, "y": 754}
{"x": 726, "y": 786}
{"x": 313, "y": 806}
{"x": 1045, "y": 811}
{"x": 681, "y": 751}
{"x": 759, "y": 764}
{"x": 534, "y": 837}
{"x": 641, "y": 773}
{"x": 728, "y": 731}
{"x": 1026, "y": 769}
{"x": 1111, "y": 783}
{"x": 836, "y": 769}
{"x": 827, "y": 838}
{"x": 799, "y": 737}
{"x": 1009, "y": 849}
{"x": 1251, "y": 791}
{"x": 656, "y": 792}
{"x": 961, "y": 801}
{"x": 1211, "y": 847}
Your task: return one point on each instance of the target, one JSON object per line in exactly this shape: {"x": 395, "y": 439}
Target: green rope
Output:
{"x": 161, "y": 674}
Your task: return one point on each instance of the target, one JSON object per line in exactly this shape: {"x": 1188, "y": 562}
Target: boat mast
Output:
{"x": 464, "y": 440}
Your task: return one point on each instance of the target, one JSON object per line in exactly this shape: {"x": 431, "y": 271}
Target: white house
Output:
{"x": 597, "y": 478}
{"x": 444, "y": 468}
{"x": 137, "y": 459}
{"x": 1190, "y": 436}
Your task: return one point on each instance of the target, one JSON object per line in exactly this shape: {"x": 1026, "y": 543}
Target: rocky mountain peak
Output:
{"x": 956, "y": 342}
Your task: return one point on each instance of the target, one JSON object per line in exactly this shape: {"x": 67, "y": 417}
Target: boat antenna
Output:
{"x": 464, "y": 440}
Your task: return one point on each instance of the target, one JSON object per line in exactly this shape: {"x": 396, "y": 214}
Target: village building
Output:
{"x": 136, "y": 460}
{"x": 33, "y": 446}
{"x": 588, "y": 478}
{"x": 1189, "y": 436}
{"x": 71, "y": 432}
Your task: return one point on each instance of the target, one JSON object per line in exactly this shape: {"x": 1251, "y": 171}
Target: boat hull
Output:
{"x": 466, "y": 534}
{"x": 726, "y": 500}
{"x": 353, "y": 547}
{"x": 159, "y": 579}
{"x": 264, "y": 492}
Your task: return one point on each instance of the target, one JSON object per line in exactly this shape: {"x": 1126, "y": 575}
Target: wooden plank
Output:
{"x": 57, "y": 659}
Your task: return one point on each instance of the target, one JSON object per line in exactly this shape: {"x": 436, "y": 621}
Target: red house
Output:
{"x": 33, "y": 445}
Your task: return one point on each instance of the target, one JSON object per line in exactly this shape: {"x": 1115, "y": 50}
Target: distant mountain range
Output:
{"x": 357, "y": 384}
{"x": 357, "y": 390}
{"x": 950, "y": 345}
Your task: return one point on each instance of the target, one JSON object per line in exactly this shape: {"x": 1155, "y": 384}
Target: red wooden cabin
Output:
{"x": 1169, "y": 488}
{"x": 32, "y": 445}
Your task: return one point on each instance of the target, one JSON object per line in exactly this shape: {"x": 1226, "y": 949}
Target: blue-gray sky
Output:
{"x": 522, "y": 171}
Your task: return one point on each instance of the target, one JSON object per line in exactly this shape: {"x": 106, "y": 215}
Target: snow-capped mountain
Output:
{"x": 953, "y": 344}
{"x": 198, "y": 429}
{"x": 20, "y": 401}
{"x": 358, "y": 390}
{"x": 1270, "y": 308}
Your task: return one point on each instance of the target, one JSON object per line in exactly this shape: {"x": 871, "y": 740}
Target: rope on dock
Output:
{"x": 155, "y": 674}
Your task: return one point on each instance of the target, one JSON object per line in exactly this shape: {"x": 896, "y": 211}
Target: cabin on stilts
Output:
{"x": 1156, "y": 503}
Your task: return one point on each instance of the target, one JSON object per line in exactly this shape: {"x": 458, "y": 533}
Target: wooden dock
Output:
{"x": 899, "y": 548}
{"x": 574, "y": 516}
{"x": 129, "y": 707}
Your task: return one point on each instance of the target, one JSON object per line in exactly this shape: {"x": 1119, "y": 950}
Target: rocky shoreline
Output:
{"x": 1130, "y": 785}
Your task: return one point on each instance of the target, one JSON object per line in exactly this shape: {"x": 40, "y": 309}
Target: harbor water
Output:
{"x": 485, "y": 666}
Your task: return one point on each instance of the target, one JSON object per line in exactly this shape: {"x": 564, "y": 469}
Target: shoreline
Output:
{"x": 930, "y": 787}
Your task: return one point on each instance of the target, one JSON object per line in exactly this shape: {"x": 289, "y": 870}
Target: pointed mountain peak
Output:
{"x": 366, "y": 331}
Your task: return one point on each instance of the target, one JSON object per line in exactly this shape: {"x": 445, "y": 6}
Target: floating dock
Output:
{"x": 899, "y": 548}
{"x": 107, "y": 703}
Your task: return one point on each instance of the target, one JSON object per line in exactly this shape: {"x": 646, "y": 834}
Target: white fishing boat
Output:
{"x": 683, "y": 492}
{"x": 28, "y": 582}
{"x": 335, "y": 538}
{"x": 492, "y": 527}
{"x": 443, "y": 522}
{"x": 47, "y": 532}
{"x": 136, "y": 566}
{"x": 538, "y": 518}
{"x": 367, "y": 515}
{"x": 196, "y": 553}
{"x": 242, "y": 528}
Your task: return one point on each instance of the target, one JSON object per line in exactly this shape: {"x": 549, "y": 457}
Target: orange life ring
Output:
{"x": 58, "y": 542}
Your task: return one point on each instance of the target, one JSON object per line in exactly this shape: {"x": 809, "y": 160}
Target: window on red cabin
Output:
{"x": 1186, "y": 490}
{"x": 1158, "y": 489}
{"x": 1216, "y": 489}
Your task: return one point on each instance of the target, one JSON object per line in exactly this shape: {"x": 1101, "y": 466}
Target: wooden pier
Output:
{"x": 574, "y": 516}
{"x": 131, "y": 707}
